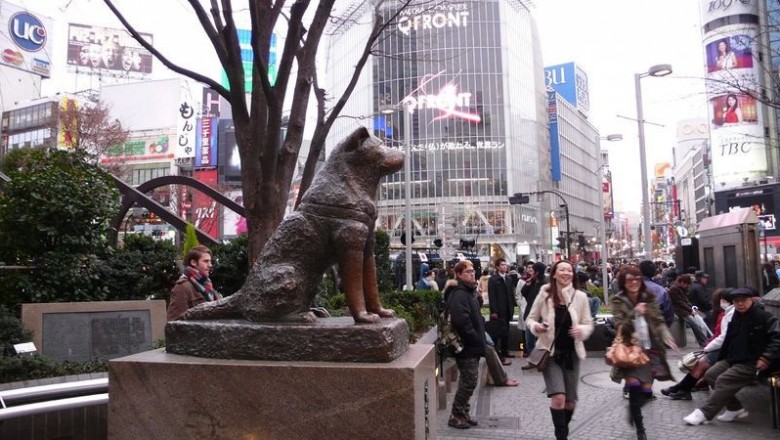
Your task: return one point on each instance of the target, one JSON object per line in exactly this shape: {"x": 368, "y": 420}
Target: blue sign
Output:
{"x": 561, "y": 78}
{"x": 555, "y": 148}
{"x": 27, "y": 31}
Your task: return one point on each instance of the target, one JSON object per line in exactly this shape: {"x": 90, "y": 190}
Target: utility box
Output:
{"x": 729, "y": 249}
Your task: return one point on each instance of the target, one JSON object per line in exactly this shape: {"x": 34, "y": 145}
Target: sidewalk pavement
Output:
{"x": 523, "y": 412}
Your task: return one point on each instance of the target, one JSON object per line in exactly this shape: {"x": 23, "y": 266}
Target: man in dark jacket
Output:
{"x": 751, "y": 347}
{"x": 681, "y": 304}
{"x": 701, "y": 297}
{"x": 501, "y": 298}
{"x": 649, "y": 269}
{"x": 468, "y": 322}
{"x": 530, "y": 291}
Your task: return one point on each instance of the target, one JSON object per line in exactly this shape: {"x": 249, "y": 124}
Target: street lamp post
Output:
{"x": 657, "y": 70}
{"x": 407, "y": 191}
{"x": 602, "y": 222}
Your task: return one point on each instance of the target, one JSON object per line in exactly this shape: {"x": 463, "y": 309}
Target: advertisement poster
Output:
{"x": 205, "y": 214}
{"x": 95, "y": 47}
{"x": 732, "y": 52}
{"x": 25, "y": 42}
{"x": 233, "y": 224}
{"x": 206, "y": 143}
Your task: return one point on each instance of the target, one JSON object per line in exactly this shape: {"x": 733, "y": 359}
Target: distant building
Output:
{"x": 472, "y": 74}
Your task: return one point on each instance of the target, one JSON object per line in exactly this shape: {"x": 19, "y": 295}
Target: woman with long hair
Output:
{"x": 732, "y": 114}
{"x": 726, "y": 58}
{"x": 634, "y": 301}
{"x": 560, "y": 318}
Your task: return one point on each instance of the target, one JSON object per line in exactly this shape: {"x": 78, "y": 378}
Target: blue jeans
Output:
{"x": 530, "y": 342}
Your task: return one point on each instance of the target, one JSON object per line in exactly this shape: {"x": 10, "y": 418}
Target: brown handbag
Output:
{"x": 625, "y": 355}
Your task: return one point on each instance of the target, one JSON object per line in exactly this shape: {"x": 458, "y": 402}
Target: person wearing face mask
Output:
{"x": 561, "y": 320}
{"x": 723, "y": 309}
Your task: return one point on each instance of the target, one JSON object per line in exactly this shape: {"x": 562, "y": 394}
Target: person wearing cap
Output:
{"x": 700, "y": 297}
{"x": 751, "y": 347}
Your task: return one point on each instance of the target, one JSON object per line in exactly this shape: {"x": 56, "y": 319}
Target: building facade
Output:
{"x": 469, "y": 74}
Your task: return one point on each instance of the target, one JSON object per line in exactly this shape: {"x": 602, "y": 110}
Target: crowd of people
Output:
{"x": 556, "y": 311}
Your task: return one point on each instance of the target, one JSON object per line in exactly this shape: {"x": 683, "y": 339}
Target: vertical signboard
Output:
{"x": 739, "y": 149}
{"x": 25, "y": 42}
{"x": 205, "y": 214}
{"x": 206, "y": 149}
{"x": 185, "y": 129}
{"x": 555, "y": 148}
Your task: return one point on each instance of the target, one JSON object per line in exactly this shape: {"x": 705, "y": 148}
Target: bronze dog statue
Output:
{"x": 333, "y": 224}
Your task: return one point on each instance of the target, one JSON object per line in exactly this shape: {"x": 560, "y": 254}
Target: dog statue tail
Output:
{"x": 225, "y": 308}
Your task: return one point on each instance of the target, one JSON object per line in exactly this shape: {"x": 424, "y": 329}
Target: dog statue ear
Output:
{"x": 357, "y": 137}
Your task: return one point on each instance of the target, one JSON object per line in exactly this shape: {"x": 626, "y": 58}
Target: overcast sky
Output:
{"x": 612, "y": 40}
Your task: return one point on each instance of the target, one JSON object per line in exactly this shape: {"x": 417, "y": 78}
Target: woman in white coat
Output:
{"x": 560, "y": 317}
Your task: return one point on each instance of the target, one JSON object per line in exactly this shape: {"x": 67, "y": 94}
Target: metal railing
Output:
{"x": 55, "y": 397}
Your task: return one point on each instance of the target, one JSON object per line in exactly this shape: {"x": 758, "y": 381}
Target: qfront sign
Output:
{"x": 450, "y": 102}
{"x": 24, "y": 40}
{"x": 432, "y": 18}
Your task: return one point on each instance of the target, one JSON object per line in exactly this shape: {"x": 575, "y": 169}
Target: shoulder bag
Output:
{"x": 448, "y": 340}
{"x": 540, "y": 357}
{"x": 623, "y": 354}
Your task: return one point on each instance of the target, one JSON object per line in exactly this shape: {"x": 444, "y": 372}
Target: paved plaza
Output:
{"x": 523, "y": 412}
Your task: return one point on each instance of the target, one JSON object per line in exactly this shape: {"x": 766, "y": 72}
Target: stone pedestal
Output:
{"x": 165, "y": 396}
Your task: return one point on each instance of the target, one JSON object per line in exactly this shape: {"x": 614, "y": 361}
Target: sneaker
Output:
{"x": 458, "y": 422}
{"x": 730, "y": 416}
{"x": 679, "y": 395}
{"x": 695, "y": 418}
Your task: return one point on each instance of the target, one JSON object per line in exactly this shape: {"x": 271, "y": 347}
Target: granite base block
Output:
{"x": 329, "y": 340}
{"x": 158, "y": 395}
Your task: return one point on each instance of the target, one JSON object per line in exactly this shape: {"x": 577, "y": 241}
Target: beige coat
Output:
{"x": 543, "y": 311}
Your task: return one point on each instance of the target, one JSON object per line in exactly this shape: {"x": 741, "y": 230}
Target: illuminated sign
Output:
{"x": 447, "y": 100}
{"x": 441, "y": 16}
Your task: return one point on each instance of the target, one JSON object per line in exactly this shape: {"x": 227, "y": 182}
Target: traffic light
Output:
{"x": 561, "y": 242}
{"x": 582, "y": 242}
{"x": 519, "y": 199}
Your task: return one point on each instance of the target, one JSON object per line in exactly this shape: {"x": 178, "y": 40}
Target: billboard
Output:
{"x": 25, "y": 42}
{"x": 248, "y": 60}
{"x": 571, "y": 82}
{"x": 205, "y": 213}
{"x": 103, "y": 49}
{"x": 737, "y": 143}
{"x": 232, "y": 223}
{"x": 186, "y": 124}
{"x": 142, "y": 148}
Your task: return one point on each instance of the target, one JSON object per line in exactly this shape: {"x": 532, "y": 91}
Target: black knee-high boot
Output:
{"x": 569, "y": 415}
{"x": 636, "y": 400}
{"x": 560, "y": 424}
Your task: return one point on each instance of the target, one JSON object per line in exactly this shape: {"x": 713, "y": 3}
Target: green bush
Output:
{"x": 231, "y": 265}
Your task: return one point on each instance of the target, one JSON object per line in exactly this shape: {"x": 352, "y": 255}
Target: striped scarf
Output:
{"x": 202, "y": 282}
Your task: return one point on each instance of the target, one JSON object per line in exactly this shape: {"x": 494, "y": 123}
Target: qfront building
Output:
{"x": 459, "y": 85}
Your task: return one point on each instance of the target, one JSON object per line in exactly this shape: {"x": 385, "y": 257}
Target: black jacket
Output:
{"x": 763, "y": 337}
{"x": 530, "y": 291}
{"x": 700, "y": 297}
{"x": 501, "y": 296}
{"x": 467, "y": 320}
